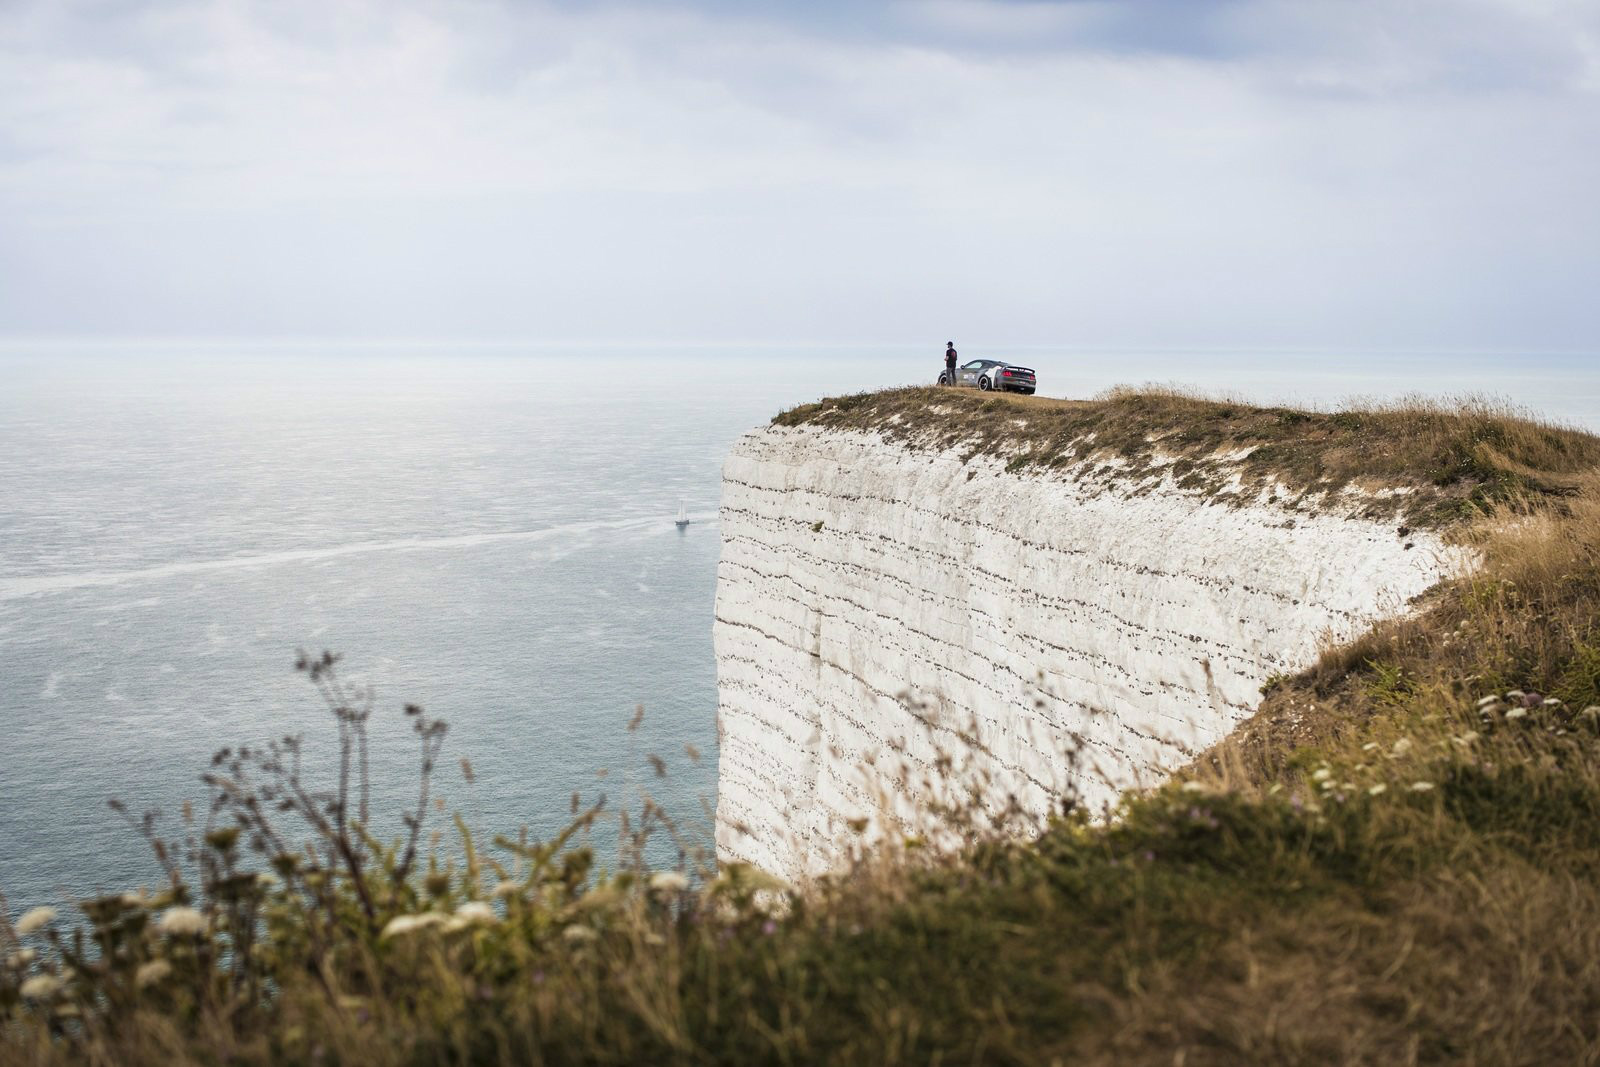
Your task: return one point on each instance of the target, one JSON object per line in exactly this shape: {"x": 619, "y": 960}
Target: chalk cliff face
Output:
{"x": 878, "y": 604}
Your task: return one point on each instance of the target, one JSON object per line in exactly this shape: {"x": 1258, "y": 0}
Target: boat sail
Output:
{"x": 683, "y": 515}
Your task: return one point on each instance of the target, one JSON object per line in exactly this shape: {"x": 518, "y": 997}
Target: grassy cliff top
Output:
{"x": 1457, "y": 457}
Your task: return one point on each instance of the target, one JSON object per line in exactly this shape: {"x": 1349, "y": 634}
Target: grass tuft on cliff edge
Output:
{"x": 1397, "y": 862}
{"x": 1454, "y": 458}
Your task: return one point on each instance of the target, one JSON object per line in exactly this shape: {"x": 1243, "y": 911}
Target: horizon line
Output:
{"x": 298, "y": 341}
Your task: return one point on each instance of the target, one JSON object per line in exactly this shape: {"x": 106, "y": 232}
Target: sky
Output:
{"x": 1253, "y": 173}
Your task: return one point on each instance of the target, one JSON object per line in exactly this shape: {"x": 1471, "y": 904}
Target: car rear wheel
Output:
{"x": 983, "y": 383}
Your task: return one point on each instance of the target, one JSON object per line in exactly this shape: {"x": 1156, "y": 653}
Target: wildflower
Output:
{"x": 405, "y": 924}
{"x": 1515, "y": 694}
{"x": 508, "y": 888}
{"x": 1401, "y": 747}
{"x": 668, "y": 882}
{"x": 150, "y": 973}
{"x": 182, "y": 922}
{"x": 476, "y": 911}
{"x": 1421, "y": 787}
{"x": 40, "y": 986}
{"x": 1370, "y": 746}
{"x": 1484, "y": 702}
{"x": 579, "y": 934}
{"x": 1194, "y": 787}
{"x": 1322, "y": 774}
{"x": 1552, "y": 702}
{"x": 35, "y": 920}
{"x": 769, "y": 928}
{"x": 21, "y": 958}
{"x": 1513, "y": 714}
{"x": 1376, "y": 790}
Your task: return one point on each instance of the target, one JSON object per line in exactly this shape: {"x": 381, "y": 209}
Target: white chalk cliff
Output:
{"x": 877, "y": 602}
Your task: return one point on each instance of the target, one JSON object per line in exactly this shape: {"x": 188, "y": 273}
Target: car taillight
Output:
{"x": 1006, "y": 373}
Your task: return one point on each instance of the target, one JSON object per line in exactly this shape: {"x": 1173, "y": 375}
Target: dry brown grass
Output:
{"x": 1525, "y": 617}
{"x": 1501, "y": 967}
{"x": 1457, "y": 457}
{"x": 1492, "y": 956}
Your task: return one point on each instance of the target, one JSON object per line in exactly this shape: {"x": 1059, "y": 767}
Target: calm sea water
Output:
{"x": 485, "y": 532}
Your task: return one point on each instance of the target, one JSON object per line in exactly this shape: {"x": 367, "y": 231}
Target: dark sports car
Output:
{"x": 992, "y": 374}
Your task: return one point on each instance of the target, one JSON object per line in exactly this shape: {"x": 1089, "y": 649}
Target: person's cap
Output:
{"x": 949, "y": 344}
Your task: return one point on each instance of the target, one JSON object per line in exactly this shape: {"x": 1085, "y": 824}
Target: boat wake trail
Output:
{"x": 42, "y": 584}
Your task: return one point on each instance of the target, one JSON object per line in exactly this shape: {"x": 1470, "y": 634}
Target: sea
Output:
{"x": 482, "y": 529}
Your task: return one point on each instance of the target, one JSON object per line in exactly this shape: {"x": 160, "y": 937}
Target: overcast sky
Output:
{"x": 1376, "y": 173}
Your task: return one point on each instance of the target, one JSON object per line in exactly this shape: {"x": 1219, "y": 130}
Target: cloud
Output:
{"x": 1241, "y": 172}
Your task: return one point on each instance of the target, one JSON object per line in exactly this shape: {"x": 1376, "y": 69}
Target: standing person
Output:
{"x": 950, "y": 363}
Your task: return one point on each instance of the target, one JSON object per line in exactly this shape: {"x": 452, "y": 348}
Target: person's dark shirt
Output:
{"x": 950, "y": 357}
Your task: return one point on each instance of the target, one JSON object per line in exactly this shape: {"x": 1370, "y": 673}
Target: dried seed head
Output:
{"x": 34, "y": 920}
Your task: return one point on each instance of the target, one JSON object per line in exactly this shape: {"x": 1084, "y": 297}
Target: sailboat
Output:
{"x": 683, "y": 515}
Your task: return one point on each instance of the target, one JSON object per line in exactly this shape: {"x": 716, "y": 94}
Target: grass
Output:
{"x": 1453, "y": 458}
{"x": 1396, "y": 861}
{"x": 1528, "y": 618}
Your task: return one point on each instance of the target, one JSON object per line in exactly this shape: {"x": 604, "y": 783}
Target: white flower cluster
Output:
{"x": 408, "y": 924}
{"x": 1527, "y": 709}
{"x": 669, "y": 882}
{"x": 470, "y": 913}
{"x": 152, "y": 973}
{"x": 1325, "y": 780}
{"x": 34, "y": 920}
{"x": 41, "y": 986}
{"x": 183, "y": 922}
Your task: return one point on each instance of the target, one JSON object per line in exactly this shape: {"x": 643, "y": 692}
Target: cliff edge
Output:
{"x": 926, "y": 589}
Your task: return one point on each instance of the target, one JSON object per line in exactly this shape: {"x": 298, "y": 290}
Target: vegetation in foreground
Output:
{"x": 1395, "y": 862}
{"x": 1455, "y": 459}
